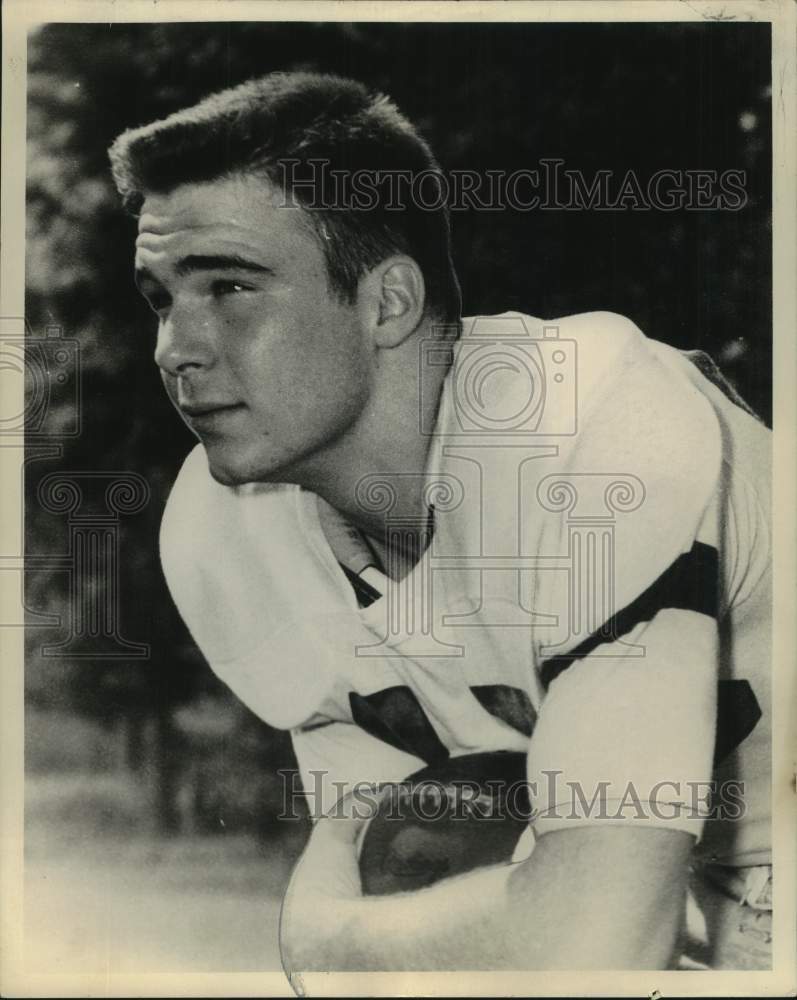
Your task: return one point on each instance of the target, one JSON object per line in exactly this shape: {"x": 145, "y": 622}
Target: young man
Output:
{"x": 595, "y": 592}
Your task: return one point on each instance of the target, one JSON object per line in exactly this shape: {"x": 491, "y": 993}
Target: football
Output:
{"x": 445, "y": 820}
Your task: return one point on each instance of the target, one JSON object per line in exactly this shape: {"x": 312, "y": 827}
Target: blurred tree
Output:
{"x": 600, "y": 96}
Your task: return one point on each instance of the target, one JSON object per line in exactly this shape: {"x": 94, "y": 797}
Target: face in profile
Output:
{"x": 265, "y": 364}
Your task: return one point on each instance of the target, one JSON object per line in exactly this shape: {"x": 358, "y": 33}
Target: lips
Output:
{"x": 194, "y": 410}
{"x": 209, "y": 418}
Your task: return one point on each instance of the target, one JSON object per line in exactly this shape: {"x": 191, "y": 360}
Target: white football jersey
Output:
{"x": 596, "y": 591}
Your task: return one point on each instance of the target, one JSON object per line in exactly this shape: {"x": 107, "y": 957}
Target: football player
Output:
{"x": 407, "y": 537}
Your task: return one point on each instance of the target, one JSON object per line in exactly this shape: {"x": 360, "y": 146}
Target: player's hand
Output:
{"x": 324, "y": 887}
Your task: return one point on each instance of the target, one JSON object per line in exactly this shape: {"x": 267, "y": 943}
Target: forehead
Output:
{"x": 230, "y": 214}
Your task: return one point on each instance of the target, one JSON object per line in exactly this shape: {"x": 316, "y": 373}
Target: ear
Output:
{"x": 393, "y": 296}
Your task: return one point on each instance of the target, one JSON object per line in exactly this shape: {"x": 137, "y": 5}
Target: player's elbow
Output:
{"x": 608, "y": 899}
{"x": 645, "y": 939}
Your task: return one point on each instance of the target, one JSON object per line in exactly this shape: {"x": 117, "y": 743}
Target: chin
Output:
{"x": 229, "y": 469}
{"x": 225, "y": 477}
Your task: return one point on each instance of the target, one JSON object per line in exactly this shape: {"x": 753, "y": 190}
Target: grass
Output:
{"x": 104, "y": 893}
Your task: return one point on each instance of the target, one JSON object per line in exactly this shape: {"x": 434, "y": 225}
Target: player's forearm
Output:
{"x": 557, "y": 910}
{"x": 449, "y": 926}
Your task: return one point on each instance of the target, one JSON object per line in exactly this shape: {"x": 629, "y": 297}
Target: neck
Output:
{"x": 374, "y": 474}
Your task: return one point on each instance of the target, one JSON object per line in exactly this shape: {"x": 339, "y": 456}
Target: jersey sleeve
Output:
{"x": 629, "y": 672}
{"x": 226, "y": 554}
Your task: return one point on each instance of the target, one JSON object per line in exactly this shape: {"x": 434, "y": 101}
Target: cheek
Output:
{"x": 337, "y": 343}
{"x": 315, "y": 350}
{"x": 340, "y": 370}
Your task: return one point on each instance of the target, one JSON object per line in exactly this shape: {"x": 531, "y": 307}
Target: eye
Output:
{"x": 226, "y": 287}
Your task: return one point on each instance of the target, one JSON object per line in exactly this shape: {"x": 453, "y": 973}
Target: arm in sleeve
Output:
{"x": 627, "y": 724}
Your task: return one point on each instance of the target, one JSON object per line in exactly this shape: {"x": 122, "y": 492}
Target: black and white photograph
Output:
{"x": 398, "y": 434}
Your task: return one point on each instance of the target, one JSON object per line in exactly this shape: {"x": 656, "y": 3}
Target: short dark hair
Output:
{"x": 301, "y": 119}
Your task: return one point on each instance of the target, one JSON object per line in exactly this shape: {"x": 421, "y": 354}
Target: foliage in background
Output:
{"x": 500, "y": 97}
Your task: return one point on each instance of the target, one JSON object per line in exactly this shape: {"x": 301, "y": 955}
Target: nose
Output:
{"x": 185, "y": 342}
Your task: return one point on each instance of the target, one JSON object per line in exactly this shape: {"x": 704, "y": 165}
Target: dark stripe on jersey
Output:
{"x": 394, "y": 715}
{"x": 509, "y": 704}
{"x": 690, "y": 584}
{"x": 366, "y": 594}
{"x": 738, "y": 713}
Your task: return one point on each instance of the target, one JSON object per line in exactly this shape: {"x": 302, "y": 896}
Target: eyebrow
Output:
{"x": 211, "y": 262}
